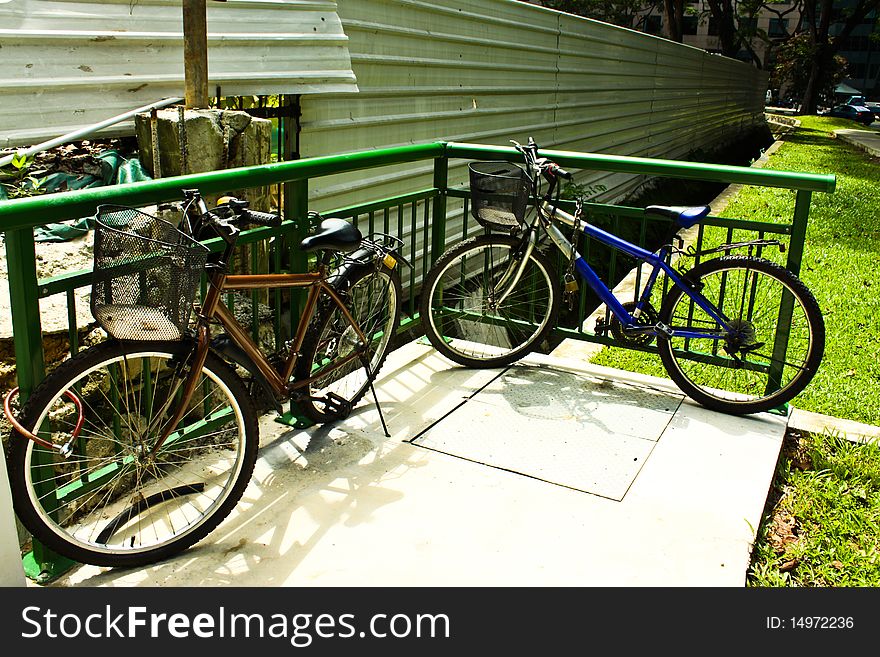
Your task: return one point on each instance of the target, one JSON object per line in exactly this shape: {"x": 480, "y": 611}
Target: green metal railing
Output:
{"x": 426, "y": 217}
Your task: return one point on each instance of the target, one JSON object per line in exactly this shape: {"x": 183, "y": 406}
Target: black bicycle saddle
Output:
{"x": 335, "y": 235}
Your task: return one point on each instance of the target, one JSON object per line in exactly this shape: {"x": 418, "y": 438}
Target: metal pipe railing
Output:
{"x": 50, "y": 208}
{"x": 812, "y": 182}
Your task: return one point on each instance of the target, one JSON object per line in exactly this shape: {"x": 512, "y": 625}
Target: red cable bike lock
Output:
{"x": 7, "y": 409}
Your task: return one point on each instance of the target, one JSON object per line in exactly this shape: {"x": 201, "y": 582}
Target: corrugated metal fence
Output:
{"x": 495, "y": 70}
{"x": 489, "y": 71}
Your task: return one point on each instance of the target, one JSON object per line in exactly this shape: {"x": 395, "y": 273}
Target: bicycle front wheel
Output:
{"x": 112, "y": 501}
{"x": 373, "y": 298}
{"x": 481, "y": 308}
{"x": 775, "y": 347}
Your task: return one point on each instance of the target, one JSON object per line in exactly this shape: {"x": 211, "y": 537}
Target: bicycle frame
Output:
{"x": 548, "y": 213}
{"x": 279, "y": 380}
{"x": 316, "y": 282}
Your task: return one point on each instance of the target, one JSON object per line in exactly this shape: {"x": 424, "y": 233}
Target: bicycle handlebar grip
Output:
{"x": 261, "y": 218}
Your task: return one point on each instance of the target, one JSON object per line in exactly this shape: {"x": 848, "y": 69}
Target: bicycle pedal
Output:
{"x": 336, "y": 405}
{"x": 602, "y": 327}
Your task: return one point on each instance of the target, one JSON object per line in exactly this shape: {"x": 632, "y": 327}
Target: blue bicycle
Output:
{"x": 738, "y": 334}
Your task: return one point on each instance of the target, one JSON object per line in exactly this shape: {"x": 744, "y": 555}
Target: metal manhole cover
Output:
{"x": 571, "y": 429}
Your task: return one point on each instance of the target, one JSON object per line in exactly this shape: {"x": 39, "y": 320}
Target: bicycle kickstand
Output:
{"x": 366, "y": 364}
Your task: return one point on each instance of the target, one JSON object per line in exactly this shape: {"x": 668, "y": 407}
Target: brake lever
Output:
{"x": 224, "y": 226}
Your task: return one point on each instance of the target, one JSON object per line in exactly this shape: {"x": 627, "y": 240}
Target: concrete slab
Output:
{"x": 346, "y": 506}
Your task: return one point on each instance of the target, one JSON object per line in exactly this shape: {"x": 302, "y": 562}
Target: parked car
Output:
{"x": 858, "y": 113}
{"x": 864, "y": 102}
{"x": 875, "y": 109}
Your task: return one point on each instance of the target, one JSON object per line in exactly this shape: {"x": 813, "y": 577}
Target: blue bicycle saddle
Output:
{"x": 684, "y": 216}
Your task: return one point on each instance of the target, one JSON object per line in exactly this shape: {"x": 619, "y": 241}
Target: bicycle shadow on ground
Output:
{"x": 619, "y": 390}
{"x": 312, "y": 487}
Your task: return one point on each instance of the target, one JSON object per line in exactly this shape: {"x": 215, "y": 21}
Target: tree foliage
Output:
{"x": 795, "y": 59}
{"x": 818, "y": 18}
{"x": 626, "y": 13}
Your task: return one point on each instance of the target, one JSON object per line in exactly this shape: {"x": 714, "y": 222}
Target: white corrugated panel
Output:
{"x": 488, "y": 71}
{"x": 66, "y": 64}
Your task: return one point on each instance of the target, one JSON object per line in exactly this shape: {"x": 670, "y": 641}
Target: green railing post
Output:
{"x": 23, "y": 296}
{"x": 438, "y": 218}
{"x": 798, "y": 231}
{"x": 296, "y": 209}
{"x": 41, "y": 564}
{"x": 786, "y": 306}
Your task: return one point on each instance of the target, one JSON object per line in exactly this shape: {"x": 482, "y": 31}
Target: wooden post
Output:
{"x": 195, "y": 53}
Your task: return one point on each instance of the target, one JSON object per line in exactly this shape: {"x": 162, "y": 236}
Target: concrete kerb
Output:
{"x": 867, "y": 140}
{"x": 857, "y": 432}
{"x": 780, "y": 125}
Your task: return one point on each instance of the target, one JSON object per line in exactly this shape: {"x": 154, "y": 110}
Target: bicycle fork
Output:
{"x": 195, "y": 363}
{"x": 513, "y": 274}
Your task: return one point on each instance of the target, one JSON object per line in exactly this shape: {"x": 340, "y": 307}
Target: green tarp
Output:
{"x": 115, "y": 170}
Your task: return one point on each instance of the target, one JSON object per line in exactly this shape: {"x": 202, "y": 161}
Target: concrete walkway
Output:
{"x": 552, "y": 472}
{"x": 867, "y": 140}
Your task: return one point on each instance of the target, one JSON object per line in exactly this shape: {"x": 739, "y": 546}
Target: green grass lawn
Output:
{"x": 840, "y": 264}
{"x": 822, "y": 525}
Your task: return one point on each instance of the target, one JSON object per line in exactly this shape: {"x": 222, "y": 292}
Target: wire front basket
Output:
{"x": 145, "y": 276}
{"x": 499, "y": 194}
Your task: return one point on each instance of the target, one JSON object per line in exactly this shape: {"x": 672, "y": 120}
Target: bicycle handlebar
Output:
{"x": 554, "y": 169}
{"x": 225, "y": 219}
{"x": 548, "y": 168}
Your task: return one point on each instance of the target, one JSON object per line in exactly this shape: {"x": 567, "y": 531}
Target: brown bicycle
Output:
{"x": 138, "y": 447}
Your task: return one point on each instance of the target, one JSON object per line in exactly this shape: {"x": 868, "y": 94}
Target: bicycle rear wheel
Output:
{"x": 462, "y": 315}
{"x": 112, "y": 503}
{"x": 374, "y": 301}
{"x": 757, "y": 367}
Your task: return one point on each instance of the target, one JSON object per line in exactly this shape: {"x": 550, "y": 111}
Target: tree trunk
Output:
{"x": 722, "y": 12}
{"x": 810, "y": 101}
{"x": 673, "y": 11}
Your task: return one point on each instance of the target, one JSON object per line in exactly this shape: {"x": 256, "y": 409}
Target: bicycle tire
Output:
{"x": 374, "y": 299}
{"x": 110, "y": 504}
{"x": 756, "y": 288}
{"x": 485, "y": 342}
